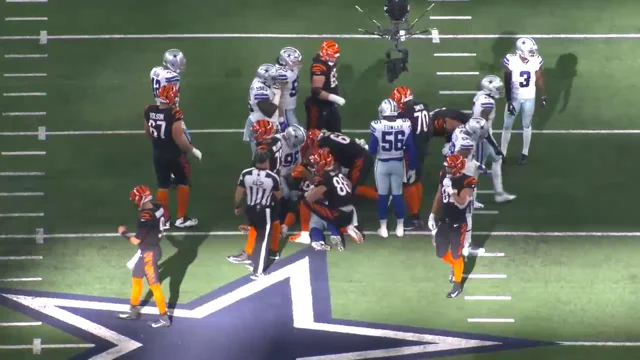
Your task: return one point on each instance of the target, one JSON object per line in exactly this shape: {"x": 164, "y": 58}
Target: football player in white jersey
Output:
{"x": 292, "y": 139}
{"x": 484, "y": 106}
{"x": 174, "y": 62}
{"x": 390, "y": 140}
{"x": 523, "y": 72}
{"x": 463, "y": 141}
{"x": 287, "y": 67}
{"x": 264, "y": 100}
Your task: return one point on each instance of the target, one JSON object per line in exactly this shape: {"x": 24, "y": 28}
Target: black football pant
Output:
{"x": 450, "y": 235}
{"x": 322, "y": 115}
{"x": 336, "y": 217}
{"x": 178, "y": 166}
{"x": 147, "y": 265}
{"x": 261, "y": 219}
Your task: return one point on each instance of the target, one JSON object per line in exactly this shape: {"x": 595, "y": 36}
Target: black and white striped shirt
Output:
{"x": 260, "y": 185}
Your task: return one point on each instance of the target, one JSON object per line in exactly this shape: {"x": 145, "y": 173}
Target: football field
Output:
{"x": 559, "y": 280}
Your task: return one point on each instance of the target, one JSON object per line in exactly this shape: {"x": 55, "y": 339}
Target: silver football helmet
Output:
{"x": 295, "y": 136}
{"x": 492, "y": 86}
{"x": 174, "y": 60}
{"x": 476, "y": 128}
{"x": 526, "y": 48}
{"x": 290, "y": 58}
{"x": 266, "y": 73}
{"x": 388, "y": 108}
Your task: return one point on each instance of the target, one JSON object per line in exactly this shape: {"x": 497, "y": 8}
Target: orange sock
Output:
{"x": 251, "y": 241}
{"x": 458, "y": 268}
{"x": 290, "y": 219}
{"x": 136, "y": 291}
{"x": 274, "y": 244}
{"x": 448, "y": 258}
{"x": 158, "y": 296}
{"x": 411, "y": 196}
{"x": 183, "y": 200}
{"x": 419, "y": 188}
{"x": 162, "y": 197}
{"x": 305, "y": 217}
{"x": 367, "y": 191}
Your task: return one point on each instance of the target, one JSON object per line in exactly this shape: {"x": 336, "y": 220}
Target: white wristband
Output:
{"x": 336, "y": 99}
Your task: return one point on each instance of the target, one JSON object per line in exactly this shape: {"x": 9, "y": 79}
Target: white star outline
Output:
{"x": 299, "y": 276}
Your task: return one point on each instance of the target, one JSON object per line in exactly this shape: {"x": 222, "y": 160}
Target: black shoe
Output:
{"x": 457, "y": 290}
{"x": 242, "y": 258}
{"x": 162, "y": 322}
{"x": 451, "y": 279}
{"x": 133, "y": 314}
{"x": 523, "y": 159}
{"x": 274, "y": 255}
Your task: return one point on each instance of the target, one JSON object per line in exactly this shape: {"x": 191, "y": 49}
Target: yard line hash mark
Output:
{"x": 25, "y": 75}
{"x": 455, "y": 54}
{"x": 21, "y": 279}
{"x": 22, "y": 153}
{"x": 485, "y": 276}
{"x": 41, "y": 113}
{"x": 27, "y": 1}
{"x": 20, "y": 257}
{"x": 450, "y": 17}
{"x": 21, "y": 173}
{"x": 52, "y": 346}
{"x": 22, "y": 194}
{"x": 489, "y": 298}
{"x": 485, "y": 320}
{"x": 25, "y": 56}
{"x": 455, "y": 92}
{"x": 25, "y": 19}
{"x": 457, "y": 73}
{"x": 22, "y": 215}
{"x": 22, "y": 323}
{"x": 26, "y": 94}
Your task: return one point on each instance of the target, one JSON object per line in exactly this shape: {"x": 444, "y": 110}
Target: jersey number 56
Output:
{"x": 392, "y": 141}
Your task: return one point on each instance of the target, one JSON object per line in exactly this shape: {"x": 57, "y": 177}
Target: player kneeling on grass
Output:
{"x": 145, "y": 262}
{"x": 454, "y": 196}
{"x": 164, "y": 126}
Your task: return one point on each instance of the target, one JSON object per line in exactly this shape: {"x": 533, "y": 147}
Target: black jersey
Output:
{"x": 150, "y": 224}
{"x": 338, "y": 193}
{"x": 344, "y": 149}
{"x": 319, "y": 67}
{"x": 274, "y": 148}
{"x": 421, "y": 125}
{"x": 160, "y": 121}
{"x": 439, "y": 117}
{"x": 450, "y": 211}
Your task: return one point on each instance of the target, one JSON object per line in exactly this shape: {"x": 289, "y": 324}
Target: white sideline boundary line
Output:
{"x": 20, "y": 257}
{"x": 52, "y": 346}
{"x": 21, "y": 279}
{"x": 418, "y": 233}
{"x": 20, "y": 153}
{"x": 22, "y": 323}
{"x": 318, "y": 36}
{"x": 484, "y": 320}
{"x": 227, "y": 131}
{"x": 22, "y": 194}
{"x": 598, "y": 343}
{"x": 25, "y": 56}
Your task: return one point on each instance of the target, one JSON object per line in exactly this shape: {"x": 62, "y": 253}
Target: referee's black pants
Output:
{"x": 261, "y": 219}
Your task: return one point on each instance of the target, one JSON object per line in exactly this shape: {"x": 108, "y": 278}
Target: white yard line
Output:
{"x": 488, "y": 298}
{"x": 52, "y": 346}
{"x": 457, "y": 73}
{"x": 598, "y": 343}
{"x": 22, "y": 323}
{"x": 485, "y": 191}
{"x": 42, "y": 113}
{"x": 450, "y": 17}
{"x": 21, "y": 279}
{"x": 20, "y": 257}
{"x": 488, "y": 254}
{"x": 25, "y": 94}
{"x": 22, "y": 215}
{"x": 486, "y": 276}
{"x": 455, "y": 54}
{"x": 25, "y": 75}
{"x": 25, "y": 56}
{"x": 22, "y": 153}
{"x": 21, "y": 174}
{"x": 27, "y": 1}
{"x": 25, "y": 19}
{"x": 319, "y": 36}
{"x": 456, "y": 92}
{"x": 21, "y": 194}
{"x": 486, "y": 212}
{"x": 490, "y": 320}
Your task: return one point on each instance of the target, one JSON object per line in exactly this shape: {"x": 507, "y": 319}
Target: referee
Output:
{"x": 262, "y": 189}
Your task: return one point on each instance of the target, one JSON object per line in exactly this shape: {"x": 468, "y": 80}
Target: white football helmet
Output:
{"x": 266, "y": 73}
{"x": 476, "y": 128}
{"x": 295, "y": 136}
{"x": 492, "y": 86}
{"x": 174, "y": 60}
{"x": 526, "y": 48}
{"x": 387, "y": 108}
{"x": 290, "y": 58}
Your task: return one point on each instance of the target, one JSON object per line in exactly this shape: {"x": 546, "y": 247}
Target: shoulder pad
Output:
{"x": 376, "y": 122}
{"x": 318, "y": 68}
{"x": 470, "y": 182}
{"x": 146, "y": 215}
{"x": 177, "y": 114}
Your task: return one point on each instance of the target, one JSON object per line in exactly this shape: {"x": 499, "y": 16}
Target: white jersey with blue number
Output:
{"x": 290, "y": 89}
{"x": 523, "y": 75}
{"x": 290, "y": 157}
{"x": 392, "y": 137}
{"x": 161, "y": 77}
{"x": 482, "y": 102}
{"x": 258, "y": 92}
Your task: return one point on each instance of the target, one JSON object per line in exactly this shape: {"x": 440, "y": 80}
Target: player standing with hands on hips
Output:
{"x": 523, "y": 72}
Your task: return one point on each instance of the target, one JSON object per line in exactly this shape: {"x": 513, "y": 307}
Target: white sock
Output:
{"x": 496, "y": 176}
{"x": 467, "y": 235}
{"x": 526, "y": 140}
{"x": 400, "y": 223}
{"x": 383, "y": 224}
{"x": 504, "y": 141}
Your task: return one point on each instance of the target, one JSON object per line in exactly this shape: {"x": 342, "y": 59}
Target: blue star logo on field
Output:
{"x": 285, "y": 316}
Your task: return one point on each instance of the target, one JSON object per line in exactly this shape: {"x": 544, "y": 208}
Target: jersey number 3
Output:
{"x": 525, "y": 76}
{"x": 392, "y": 141}
{"x": 157, "y": 128}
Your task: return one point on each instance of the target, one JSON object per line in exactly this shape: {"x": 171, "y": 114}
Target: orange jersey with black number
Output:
{"x": 450, "y": 211}
{"x": 319, "y": 67}
{"x": 160, "y": 122}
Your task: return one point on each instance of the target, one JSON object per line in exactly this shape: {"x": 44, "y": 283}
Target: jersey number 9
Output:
{"x": 294, "y": 88}
{"x": 392, "y": 141}
{"x": 290, "y": 159}
{"x": 157, "y": 128}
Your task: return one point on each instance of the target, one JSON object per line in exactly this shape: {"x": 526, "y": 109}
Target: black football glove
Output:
{"x": 544, "y": 101}
{"x": 511, "y": 109}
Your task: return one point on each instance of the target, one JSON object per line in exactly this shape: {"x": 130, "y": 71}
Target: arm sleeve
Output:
{"x": 373, "y": 144}
{"x": 507, "y": 85}
{"x": 493, "y": 143}
{"x": 410, "y": 149}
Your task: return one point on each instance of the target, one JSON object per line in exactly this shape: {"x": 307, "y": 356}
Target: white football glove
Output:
{"x": 432, "y": 223}
{"x": 446, "y": 183}
{"x": 445, "y": 149}
{"x": 362, "y": 143}
{"x": 411, "y": 176}
{"x": 197, "y": 153}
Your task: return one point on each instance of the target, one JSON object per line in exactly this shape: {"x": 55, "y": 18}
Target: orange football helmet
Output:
{"x": 262, "y": 129}
{"x": 321, "y": 160}
{"x": 311, "y": 142}
{"x": 168, "y": 94}
{"x": 401, "y": 95}
{"x": 455, "y": 164}
{"x": 329, "y": 51}
{"x": 140, "y": 195}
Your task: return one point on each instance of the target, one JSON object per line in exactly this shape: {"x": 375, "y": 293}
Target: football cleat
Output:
{"x": 249, "y": 266}
{"x": 336, "y": 241}
{"x": 523, "y": 159}
{"x": 400, "y": 230}
{"x": 162, "y": 322}
{"x": 185, "y": 222}
{"x": 242, "y": 258}
{"x": 255, "y": 276}
{"x": 457, "y": 290}
{"x": 504, "y": 197}
{"x": 301, "y": 238}
{"x": 320, "y": 245}
{"x": 133, "y": 314}
{"x": 478, "y": 205}
{"x": 383, "y": 233}
{"x": 355, "y": 234}
{"x": 472, "y": 250}
{"x": 274, "y": 255}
